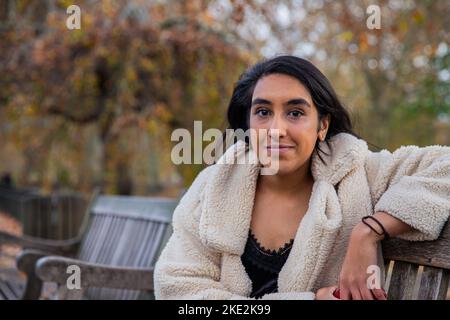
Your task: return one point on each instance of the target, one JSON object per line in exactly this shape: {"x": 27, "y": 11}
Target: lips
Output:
{"x": 281, "y": 149}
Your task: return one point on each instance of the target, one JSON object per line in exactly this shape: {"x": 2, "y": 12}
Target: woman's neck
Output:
{"x": 287, "y": 184}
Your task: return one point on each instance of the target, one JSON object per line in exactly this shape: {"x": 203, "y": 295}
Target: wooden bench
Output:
{"x": 123, "y": 237}
{"x": 58, "y": 216}
{"x": 418, "y": 270}
{"x": 12, "y": 200}
{"x": 55, "y": 216}
{"x": 116, "y": 250}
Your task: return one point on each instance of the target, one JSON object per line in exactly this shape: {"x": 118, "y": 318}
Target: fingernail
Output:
{"x": 337, "y": 293}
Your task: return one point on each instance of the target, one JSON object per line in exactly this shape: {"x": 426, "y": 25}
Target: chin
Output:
{"x": 284, "y": 169}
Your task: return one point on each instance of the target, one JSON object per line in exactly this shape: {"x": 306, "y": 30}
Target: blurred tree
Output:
{"x": 129, "y": 72}
{"x": 394, "y": 78}
{"x": 97, "y": 105}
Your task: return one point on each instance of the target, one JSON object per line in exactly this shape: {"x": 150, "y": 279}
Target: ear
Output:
{"x": 323, "y": 127}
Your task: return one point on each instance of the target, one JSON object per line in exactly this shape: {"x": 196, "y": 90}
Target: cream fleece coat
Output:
{"x": 211, "y": 223}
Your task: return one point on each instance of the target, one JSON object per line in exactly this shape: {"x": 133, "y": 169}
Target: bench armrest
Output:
{"x": 54, "y": 269}
{"x": 26, "y": 263}
{"x": 48, "y": 245}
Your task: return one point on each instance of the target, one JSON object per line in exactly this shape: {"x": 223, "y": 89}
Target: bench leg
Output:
{"x": 26, "y": 263}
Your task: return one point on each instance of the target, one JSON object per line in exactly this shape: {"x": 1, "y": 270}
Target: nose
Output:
{"x": 278, "y": 128}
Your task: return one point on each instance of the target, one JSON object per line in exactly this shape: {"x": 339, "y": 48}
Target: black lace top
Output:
{"x": 263, "y": 266}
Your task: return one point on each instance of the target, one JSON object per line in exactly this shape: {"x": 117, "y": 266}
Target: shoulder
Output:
{"x": 405, "y": 156}
{"x": 188, "y": 211}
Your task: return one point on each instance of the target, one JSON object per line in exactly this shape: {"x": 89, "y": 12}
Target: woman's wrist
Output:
{"x": 363, "y": 232}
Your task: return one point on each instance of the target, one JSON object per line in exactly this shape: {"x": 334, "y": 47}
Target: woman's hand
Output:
{"x": 326, "y": 293}
{"x": 361, "y": 253}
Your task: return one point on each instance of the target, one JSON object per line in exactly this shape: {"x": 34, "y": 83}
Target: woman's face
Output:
{"x": 281, "y": 102}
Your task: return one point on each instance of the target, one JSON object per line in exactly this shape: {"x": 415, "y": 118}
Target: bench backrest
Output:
{"x": 56, "y": 216}
{"x": 125, "y": 231}
{"x": 418, "y": 270}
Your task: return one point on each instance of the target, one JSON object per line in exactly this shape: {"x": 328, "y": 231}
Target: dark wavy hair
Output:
{"x": 320, "y": 89}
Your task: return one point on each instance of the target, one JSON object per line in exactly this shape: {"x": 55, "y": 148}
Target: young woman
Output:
{"x": 303, "y": 232}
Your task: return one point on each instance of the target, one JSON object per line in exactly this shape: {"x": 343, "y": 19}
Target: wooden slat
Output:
{"x": 95, "y": 254}
{"x": 7, "y": 292}
{"x": 16, "y": 288}
{"x": 100, "y": 233}
{"x": 140, "y": 254}
{"x": 427, "y": 253}
{"x": 137, "y": 240}
{"x": 63, "y": 211}
{"x": 108, "y": 241}
{"x": 47, "y": 228}
{"x": 79, "y": 205}
{"x": 117, "y": 228}
{"x": 167, "y": 232}
{"x": 387, "y": 275}
{"x": 128, "y": 244}
{"x": 150, "y": 254}
{"x": 434, "y": 284}
{"x": 89, "y": 238}
{"x": 145, "y": 234}
{"x": 401, "y": 286}
{"x": 90, "y": 241}
{"x": 145, "y": 258}
{"x": 69, "y": 225}
{"x": 25, "y": 210}
{"x": 143, "y": 255}
{"x": 41, "y": 212}
{"x": 36, "y": 215}
{"x": 154, "y": 249}
{"x": 67, "y": 215}
{"x": 158, "y": 209}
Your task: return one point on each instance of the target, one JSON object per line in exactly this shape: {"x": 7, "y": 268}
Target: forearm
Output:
{"x": 392, "y": 225}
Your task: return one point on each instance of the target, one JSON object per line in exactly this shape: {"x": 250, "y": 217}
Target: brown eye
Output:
{"x": 262, "y": 112}
{"x": 296, "y": 113}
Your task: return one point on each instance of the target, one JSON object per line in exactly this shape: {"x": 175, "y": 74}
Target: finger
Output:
{"x": 379, "y": 294}
{"x": 366, "y": 293}
{"x": 356, "y": 295}
{"x": 345, "y": 293}
{"x": 333, "y": 291}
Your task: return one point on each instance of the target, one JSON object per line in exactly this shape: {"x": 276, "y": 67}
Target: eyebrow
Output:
{"x": 291, "y": 102}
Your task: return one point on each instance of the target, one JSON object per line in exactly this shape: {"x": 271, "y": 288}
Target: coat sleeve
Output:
{"x": 413, "y": 185}
{"x": 187, "y": 269}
